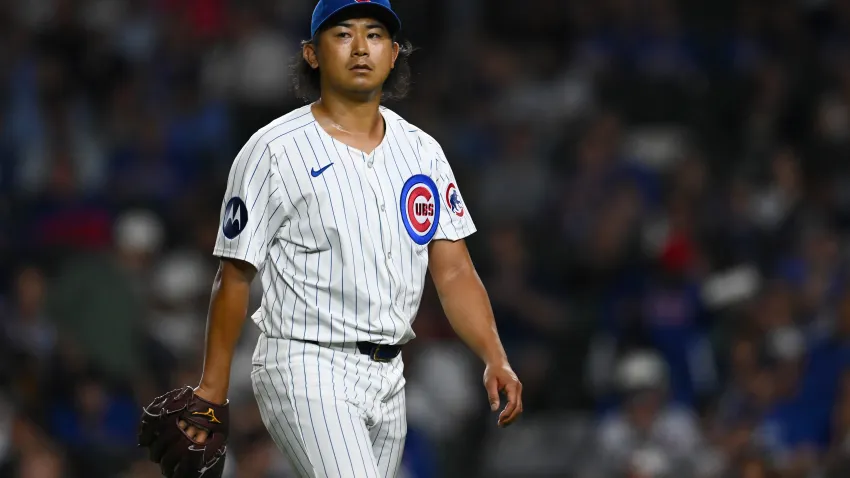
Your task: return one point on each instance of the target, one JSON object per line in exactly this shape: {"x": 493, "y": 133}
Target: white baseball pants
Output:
{"x": 333, "y": 411}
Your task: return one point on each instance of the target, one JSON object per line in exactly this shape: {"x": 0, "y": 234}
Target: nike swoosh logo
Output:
{"x": 318, "y": 173}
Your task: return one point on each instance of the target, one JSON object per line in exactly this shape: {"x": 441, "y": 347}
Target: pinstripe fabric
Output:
{"x": 332, "y": 411}
{"x": 323, "y": 223}
{"x": 336, "y": 261}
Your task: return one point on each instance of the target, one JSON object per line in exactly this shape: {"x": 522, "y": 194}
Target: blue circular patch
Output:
{"x": 235, "y": 218}
{"x": 419, "y": 204}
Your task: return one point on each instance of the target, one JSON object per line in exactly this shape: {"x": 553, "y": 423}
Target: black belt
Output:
{"x": 376, "y": 352}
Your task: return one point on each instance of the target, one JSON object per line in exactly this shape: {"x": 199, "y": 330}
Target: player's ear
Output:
{"x": 396, "y": 49}
{"x": 308, "y": 51}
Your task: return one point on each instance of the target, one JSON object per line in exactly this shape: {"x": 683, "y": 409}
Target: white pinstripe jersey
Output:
{"x": 340, "y": 237}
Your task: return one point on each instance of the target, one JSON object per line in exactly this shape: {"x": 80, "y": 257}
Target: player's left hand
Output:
{"x": 501, "y": 378}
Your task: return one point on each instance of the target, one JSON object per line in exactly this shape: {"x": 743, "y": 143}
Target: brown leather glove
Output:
{"x": 178, "y": 455}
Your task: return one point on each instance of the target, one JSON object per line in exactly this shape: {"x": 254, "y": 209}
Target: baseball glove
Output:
{"x": 178, "y": 455}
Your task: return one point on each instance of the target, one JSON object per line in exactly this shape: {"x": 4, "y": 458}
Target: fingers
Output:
{"x": 514, "y": 407}
{"x": 197, "y": 435}
{"x": 492, "y": 387}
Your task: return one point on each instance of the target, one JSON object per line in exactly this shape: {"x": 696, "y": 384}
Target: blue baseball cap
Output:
{"x": 381, "y": 9}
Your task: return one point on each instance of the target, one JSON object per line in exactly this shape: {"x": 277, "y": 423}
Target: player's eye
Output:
{"x": 343, "y": 35}
{"x": 375, "y": 36}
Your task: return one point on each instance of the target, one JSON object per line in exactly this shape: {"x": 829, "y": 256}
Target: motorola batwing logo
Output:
{"x": 235, "y": 218}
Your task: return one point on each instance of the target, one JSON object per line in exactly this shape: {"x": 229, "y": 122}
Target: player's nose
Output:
{"x": 359, "y": 46}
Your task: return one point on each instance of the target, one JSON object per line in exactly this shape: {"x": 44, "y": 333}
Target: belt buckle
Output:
{"x": 374, "y": 354}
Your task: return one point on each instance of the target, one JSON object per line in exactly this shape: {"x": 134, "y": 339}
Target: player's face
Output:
{"x": 354, "y": 56}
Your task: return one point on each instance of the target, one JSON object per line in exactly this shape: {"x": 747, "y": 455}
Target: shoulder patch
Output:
{"x": 235, "y": 218}
{"x": 454, "y": 200}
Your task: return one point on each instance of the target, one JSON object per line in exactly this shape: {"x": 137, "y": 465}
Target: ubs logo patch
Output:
{"x": 419, "y": 205}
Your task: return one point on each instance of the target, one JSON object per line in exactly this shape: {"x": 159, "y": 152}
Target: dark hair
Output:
{"x": 306, "y": 81}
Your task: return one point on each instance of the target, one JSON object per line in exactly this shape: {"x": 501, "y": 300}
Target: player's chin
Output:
{"x": 363, "y": 86}
{"x": 373, "y": 78}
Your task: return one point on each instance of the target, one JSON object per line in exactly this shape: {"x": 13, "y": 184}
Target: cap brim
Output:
{"x": 374, "y": 10}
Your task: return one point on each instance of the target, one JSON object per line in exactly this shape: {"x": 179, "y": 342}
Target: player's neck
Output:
{"x": 355, "y": 118}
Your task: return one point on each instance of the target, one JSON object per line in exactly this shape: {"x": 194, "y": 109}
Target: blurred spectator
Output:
{"x": 817, "y": 273}
{"x": 141, "y": 168}
{"x": 596, "y": 161}
{"x": 34, "y": 454}
{"x": 516, "y": 186}
{"x": 63, "y": 129}
{"x": 790, "y": 426}
{"x": 135, "y": 30}
{"x": 252, "y": 70}
{"x": 181, "y": 284}
{"x": 440, "y": 395}
{"x": 63, "y": 219}
{"x": 664, "y": 310}
{"x": 648, "y": 436}
{"x": 97, "y": 425}
{"x": 98, "y": 296}
{"x": 29, "y": 338}
{"x": 749, "y": 389}
{"x": 28, "y": 332}
{"x": 732, "y": 236}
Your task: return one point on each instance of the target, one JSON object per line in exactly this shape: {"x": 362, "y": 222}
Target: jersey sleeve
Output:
{"x": 455, "y": 220}
{"x": 252, "y": 211}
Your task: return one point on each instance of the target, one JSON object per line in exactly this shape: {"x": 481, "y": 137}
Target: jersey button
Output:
{"x": 383, "y": 207}
{"x": 389, "y": 255}
{"x": 369, "y": 164}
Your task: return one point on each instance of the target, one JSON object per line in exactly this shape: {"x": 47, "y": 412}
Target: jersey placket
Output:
{"x": 385, "y": 204}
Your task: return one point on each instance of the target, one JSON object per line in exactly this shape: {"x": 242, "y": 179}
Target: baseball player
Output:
{"x": 341, "y": 206}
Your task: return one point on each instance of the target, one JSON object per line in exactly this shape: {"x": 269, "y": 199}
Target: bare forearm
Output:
{"x": 467, "y": 306}
{"x": 228, "y": 309}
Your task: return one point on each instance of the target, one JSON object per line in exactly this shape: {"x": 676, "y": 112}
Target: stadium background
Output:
{"x": 662, "y": 191}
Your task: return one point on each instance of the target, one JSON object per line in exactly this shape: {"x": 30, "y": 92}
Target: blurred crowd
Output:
{"x": 661, "y": 189}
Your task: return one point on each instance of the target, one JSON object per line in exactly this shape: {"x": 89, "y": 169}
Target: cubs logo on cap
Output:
{"x": 380, "y": 9}
{"x": 420, "y": 208}
{"x": 454, "y": 201}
